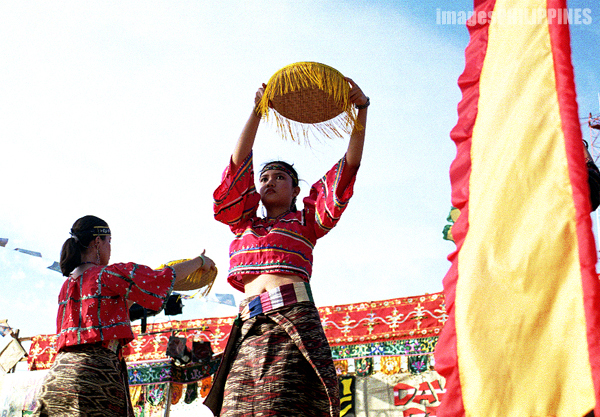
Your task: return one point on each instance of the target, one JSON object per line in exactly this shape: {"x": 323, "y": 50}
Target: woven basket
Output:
{"x": 310, "y": 105}
{"x": 196, "y": 280}
{"x": 308, "y": 99}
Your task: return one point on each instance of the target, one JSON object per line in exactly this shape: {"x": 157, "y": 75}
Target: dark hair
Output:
{"x": 288, "y": 169}
{"x": 82, "y": 233}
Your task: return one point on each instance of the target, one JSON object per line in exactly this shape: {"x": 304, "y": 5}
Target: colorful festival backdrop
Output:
{"x": 383, "y": 353}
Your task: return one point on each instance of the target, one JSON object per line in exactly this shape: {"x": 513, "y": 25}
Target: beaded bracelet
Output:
{"x": 364, "y": 106}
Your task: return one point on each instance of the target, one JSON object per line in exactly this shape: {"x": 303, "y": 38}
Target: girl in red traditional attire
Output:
{"x": 278, "y": 361}
{"x": 88, "y": 376}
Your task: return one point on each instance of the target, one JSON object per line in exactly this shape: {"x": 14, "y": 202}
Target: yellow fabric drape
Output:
{"x": 520, "y": 325}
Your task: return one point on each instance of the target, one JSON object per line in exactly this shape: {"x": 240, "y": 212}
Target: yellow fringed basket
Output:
{"x": 308, "y": 98}
{"x": 196, "y": 280}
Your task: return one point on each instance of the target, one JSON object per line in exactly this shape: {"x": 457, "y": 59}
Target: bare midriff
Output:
{"x": 257, "y": 284}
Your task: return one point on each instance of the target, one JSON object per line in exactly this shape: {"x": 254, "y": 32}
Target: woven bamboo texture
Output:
{"x": 308, "y": 99}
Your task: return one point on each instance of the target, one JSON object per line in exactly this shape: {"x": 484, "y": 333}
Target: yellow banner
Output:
{"x": 520, "y": 325}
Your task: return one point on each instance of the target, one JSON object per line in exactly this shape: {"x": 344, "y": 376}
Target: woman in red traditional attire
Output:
{"x": 88, "y": 376}
{"x": 278, "y": 361}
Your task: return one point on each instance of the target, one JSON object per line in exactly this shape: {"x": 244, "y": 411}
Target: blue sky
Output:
{"x": 130, "y": 110}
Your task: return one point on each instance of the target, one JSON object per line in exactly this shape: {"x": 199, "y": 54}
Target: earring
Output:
{"x": 293, "y": 206}
{"x": 97, "y": 256}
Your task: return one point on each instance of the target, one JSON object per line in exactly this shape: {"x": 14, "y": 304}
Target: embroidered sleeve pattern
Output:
{"x": 139, "y": 283}
{"x": 236, "y": 198}
{"x": 93, "y": 307}
{"x": 324, "y": 198}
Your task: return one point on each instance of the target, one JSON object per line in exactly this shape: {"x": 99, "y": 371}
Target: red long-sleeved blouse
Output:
{"x": 281, "y": 245}
{"x": 93, "y": 307}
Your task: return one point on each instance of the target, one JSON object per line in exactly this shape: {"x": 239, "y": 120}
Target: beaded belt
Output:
{"x": 283, "y": 295}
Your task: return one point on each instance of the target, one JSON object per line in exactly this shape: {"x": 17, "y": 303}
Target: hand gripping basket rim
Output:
{"x": 196, "y": 280}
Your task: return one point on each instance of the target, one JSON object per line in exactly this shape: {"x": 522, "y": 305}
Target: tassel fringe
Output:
{"x": 197, "y": 280}
{"x": 308, "y": 76}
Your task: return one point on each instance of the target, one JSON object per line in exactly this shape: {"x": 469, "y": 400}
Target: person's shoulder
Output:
{"x": 122, "y": 267}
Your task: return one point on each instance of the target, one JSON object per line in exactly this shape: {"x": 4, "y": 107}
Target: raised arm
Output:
{"x": 183, "y": 269}
{"x": 357, "y": 138}
{"x": 246, "y": 140}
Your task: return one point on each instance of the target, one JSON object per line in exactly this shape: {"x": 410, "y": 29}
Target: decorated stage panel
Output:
{"x": 382, "y": 350}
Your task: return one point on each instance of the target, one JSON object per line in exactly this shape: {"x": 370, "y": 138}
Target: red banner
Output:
{"x": 348, "y": 324}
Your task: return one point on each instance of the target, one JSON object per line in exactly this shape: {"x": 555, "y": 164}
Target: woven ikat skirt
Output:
{"x": 282, "y": 366}
{"x": 90, "y": 382}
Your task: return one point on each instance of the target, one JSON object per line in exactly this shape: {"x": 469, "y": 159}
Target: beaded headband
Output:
{"x": 101, "y": 231}
{"x": 96, "y": 231}
{"x": 280, "y": 167}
